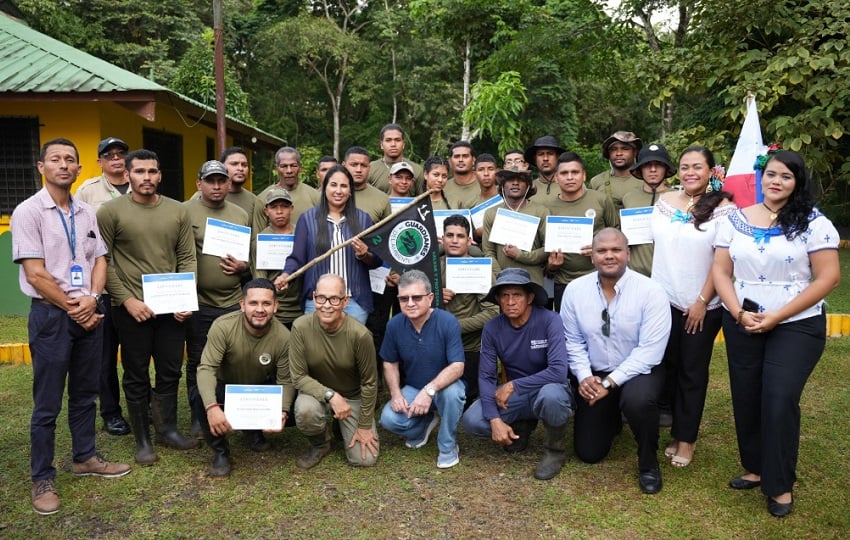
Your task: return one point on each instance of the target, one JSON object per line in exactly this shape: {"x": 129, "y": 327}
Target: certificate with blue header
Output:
{"x": 634, "y": 222}
{"x": 253, "y": 406}
{"x": 397, "y": 203}
{"x": 469, "y": 274}
{"x": 223, "y": 238}
{"x": 514, "y": 228}
{"x": 478, "y": 211}
{"x": 568, "y": 233}
{"x": 170, "y": 293}
{"x": 441, "y": 215}
{"x": 272, "y": 250}
{"x": 378, "y": 279}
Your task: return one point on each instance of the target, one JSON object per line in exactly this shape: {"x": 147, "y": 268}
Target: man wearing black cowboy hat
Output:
{"x": 620, "y": 150}
{"x": 653, "y": 167}
{"x": 516, "y": 188}
{"x": 543, "y": 154}
{"x": 528, "y": 339}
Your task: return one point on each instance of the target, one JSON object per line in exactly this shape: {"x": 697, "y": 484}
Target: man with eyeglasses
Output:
{"x": 615, "y": 357}
{"x": 332, "y": 361}
{"x": 95, "y": 191}
{"x": 528, "y": 340}
{"x": 427, "y": 342}
{"x": 287, "y": 163}
{"x": 515, "y": 159}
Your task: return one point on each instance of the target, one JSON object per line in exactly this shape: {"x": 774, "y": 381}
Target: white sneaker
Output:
{"x": 410, "y": 443}
{"x": 448, "y": 459}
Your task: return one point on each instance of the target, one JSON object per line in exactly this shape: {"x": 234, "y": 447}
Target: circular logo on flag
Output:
{"x": 409, "y": 242}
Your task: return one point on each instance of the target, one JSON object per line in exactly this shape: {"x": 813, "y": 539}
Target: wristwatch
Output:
{"x": 431, "y": 391}
{"x": 97, "y": 297}
{"x": 606, "y": 383}
{"x": 329, "y": 395}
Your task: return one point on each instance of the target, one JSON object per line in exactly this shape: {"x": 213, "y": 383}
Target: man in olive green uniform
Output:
{"x": 367, "y": 197}
{"x": 462, "y": 189}
{"x": 239, "y": 171}
{"x": 392, "y": 145}
{"x": 218, "y": 279}
{"x": 287, "y": 163}
{"x": 470, "y": 309}
{"x": 574, "y": 199}
{"x": 620, "y": 150}
{"x": 332, "y": 359}
{"x": 543, "y": 154}
{"x": 245, "y": 347}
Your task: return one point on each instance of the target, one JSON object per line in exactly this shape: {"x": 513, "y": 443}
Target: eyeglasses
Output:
{"x": 606, "y": 323}
{"x": 332, "y": 300}
{"x": 415, "y": 297}
{"x": 517, "y": 161}
{"x": 109, "y": 156}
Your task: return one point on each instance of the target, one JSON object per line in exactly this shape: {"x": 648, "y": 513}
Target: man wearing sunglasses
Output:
{"x": 615, "y": 356}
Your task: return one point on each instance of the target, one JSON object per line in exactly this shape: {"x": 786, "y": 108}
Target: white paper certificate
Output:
{"x": 469, "y": 274}
{"x": 253, "y": 406}
{"x": 441, "y": 215}
{"x": 273, "y": 249}
{"x": 634, "y": 222}
{"x": 378, "y": 279}
{"x": 514, "y": 228}
{"x": 170, "y": 293}
{"x": 568, "y": 233}
{"x": 397, "y": 203}
{"x": 224, "y": 238}
{"x": 478, "y": 211}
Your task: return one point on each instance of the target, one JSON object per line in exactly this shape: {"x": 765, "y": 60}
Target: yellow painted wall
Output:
{"x": 87, "y": 123}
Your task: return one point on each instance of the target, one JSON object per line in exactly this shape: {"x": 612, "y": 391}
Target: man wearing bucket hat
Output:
{"x": 516, "y": 188}
{"x": 620, "y": 150}
{"x": 653, "y": 167}
{"x": 616, "y": 360}
{"x": 528, "y": 339}
{"x": 543, "y": 154}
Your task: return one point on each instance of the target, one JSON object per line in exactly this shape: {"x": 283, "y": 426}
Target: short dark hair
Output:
{"x": 232, "y": 150}
{"x": 569, "y": 157}
{"x": 55, "y": 142}
{"x": 458, "y": 221}
{"x": 258, "y": 283}
{"x": 485, "y": 158}
{"x": 515, "y": 151}
{"x": 359, "y": 150}
{"x": 391, "y": 127}
{"x": 140, "y": 154}
{"x": 461, "y": 144}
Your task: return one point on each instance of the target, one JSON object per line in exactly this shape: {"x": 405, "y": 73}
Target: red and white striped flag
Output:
{"x": 741, "y": 174}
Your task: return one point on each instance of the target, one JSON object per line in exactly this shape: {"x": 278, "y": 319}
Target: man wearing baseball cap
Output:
{"x": 620, "y": 150}
{"x": 95, "y": 191}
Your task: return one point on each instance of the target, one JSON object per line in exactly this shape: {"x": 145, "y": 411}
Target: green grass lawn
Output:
{"x": 490, "y": 494}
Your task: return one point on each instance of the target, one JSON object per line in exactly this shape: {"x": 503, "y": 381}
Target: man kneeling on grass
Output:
{"x": 248, "y": 346}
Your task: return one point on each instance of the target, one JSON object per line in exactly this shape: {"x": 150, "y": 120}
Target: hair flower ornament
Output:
{"x": 761, "y": 161}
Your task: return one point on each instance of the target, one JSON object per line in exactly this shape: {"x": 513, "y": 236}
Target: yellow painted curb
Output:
{"x": 837, "y": 325}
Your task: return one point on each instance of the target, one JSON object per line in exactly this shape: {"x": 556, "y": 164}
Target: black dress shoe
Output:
{"x": 778, "y": 509}
{"x": 742, "y": 483}
{"x": 650, "y": 481}
{"x": 116, "y": 426}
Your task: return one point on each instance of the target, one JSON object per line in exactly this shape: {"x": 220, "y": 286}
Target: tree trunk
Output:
{"x": 467, "y": 68}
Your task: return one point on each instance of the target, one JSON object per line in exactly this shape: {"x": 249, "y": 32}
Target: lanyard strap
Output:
{"x": 72, "y": 234}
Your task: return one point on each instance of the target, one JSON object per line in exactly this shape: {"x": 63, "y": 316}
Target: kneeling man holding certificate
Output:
{"x": 249, "y": 348}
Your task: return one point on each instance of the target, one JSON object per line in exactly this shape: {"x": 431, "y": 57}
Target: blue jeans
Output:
{"x": 553, "y": 404}
{"x": 353, "y": 309}
{"x": 448, "y": 402}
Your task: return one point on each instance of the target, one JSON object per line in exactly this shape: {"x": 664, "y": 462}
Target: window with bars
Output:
{"x": 19, "y": 178}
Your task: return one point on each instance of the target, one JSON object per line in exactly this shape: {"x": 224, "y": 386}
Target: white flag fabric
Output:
{"x": 741, "y": 174}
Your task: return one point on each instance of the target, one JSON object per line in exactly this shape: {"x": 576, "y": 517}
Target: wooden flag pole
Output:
{"x": 368, "y": 231}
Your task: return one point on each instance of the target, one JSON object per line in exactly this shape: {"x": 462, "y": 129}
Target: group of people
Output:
{"x": 530, "y": 349}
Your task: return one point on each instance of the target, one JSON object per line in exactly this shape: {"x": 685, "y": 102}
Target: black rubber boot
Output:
{"x": 554, "y": 452}
{"x": 220, "y": 466}
{"x": 140, "y": 423}
{"x": 320, "y": 446}
{"x": 256, "y": 441}
{"x": 524, "y": 429}
{"x": 164, "y": 412}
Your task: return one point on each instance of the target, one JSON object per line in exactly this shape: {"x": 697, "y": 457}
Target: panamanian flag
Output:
{"x": 742, "y": 179}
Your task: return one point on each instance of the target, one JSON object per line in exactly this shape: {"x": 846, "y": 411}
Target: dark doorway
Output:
{"x": 169, "y": 148}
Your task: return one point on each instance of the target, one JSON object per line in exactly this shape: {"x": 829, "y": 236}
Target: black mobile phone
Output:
{"x": 750, "y": 305}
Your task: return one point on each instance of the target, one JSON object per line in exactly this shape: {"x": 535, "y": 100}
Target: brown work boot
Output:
{"x": 97, "y": 466}
{"x": 45, "y": 500}
{"x": 320, "y": 446}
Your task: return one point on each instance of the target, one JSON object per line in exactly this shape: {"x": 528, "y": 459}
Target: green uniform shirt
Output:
{"x": 471, "y": 312}
{"x": 289, "y": 299}
{"x": 546, "y": 192}
{"x": 342, "y": 361}
{"x": 530, "y": 260}
{"x": 640, "y": 259}
{"x": 243, "y": 198}
{"x": 461, "y": 196}
{"x": 374, "y": 202}
{"x": 144, "y": 239}
{"x": 233, "y": 356}
{"x": 303, "y": 196}
{"x": 379, "y": 176}
{"x": 591, "y": 202}
{"x": 615, "y": 186}
{"x": 215, "y": 288}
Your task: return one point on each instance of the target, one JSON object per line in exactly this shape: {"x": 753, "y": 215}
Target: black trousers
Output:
{"x": 110, "y": 389}
{"x": 595, "y": 427}
{"x": 686, "y": 361}
{"x": 767, "y": 373}
{"x": 197, "y": 328}
{"x": 470, "y": 375}
{"x": 162, "y": 338}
